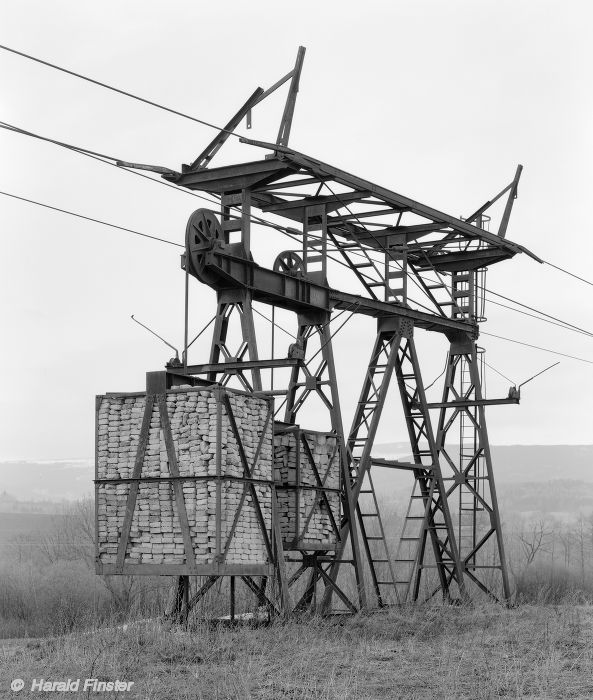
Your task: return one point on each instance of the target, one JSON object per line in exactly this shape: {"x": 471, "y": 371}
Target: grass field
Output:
{"x": 425, "y": 652}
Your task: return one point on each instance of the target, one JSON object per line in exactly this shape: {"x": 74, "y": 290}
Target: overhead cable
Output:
{"x": 285, "y": 230}
{"x": 562, "y": 325}
{"x": 121, "y": 92}
{"x": 566, "y": 272}
{"x": 538, "y": 347}
{"x": 90, "y": 218}
{"x": 186, "y": 116}
{"x": 538, "y": 311}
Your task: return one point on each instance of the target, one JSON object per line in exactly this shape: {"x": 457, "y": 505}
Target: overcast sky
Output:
{"x": 435, "y": 100}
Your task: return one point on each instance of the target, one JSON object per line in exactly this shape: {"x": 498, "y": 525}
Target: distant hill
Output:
{"x": 551, "y": 478}
{"x": 520, "y": 463}
{"x": 556, "y": 479}
{"x": 47, "y": 480}
{"x": 562, "y": 498}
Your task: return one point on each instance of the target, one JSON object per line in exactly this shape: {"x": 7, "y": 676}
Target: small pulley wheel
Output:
{"x": 290, "y": 263}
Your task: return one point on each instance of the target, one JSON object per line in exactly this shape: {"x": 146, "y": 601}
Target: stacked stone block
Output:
{"x": 155, "y": 535}
{"x": 294, "y": 478}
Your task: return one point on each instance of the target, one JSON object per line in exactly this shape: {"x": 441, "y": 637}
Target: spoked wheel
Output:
{"x": 202, "y": 228}
{"x": 202, "y": 232}
{"x": 290, "y": 263}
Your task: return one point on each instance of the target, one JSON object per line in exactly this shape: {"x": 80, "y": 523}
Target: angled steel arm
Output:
{"x": 217, "y": 142}
{"x": 203, "y": 160}
{"x": 286, "y": 123}
{"x": 509, "y": 206}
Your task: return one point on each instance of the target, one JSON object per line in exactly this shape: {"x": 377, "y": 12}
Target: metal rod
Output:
{"x": 202, "y": 331}
{"x": 156, "y": 334}
{"x": 186, "y": 318}
{"x": 272, "y": 349}
{"x": 537, "y": 375}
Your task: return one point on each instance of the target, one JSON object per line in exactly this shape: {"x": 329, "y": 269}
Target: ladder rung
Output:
{"x": 369, "y": 515}
{"x": 404, "y": 560}
{"x": 359, "y": 265}
{"x": 385, "y": 583}
{"x": 373, "y": 537}
{"x": 409, "y": 539}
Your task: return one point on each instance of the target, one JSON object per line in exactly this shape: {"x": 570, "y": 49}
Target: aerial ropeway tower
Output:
{"x": 392, "y": 249}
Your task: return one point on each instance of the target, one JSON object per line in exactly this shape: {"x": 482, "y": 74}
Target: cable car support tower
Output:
{"x": 394, "y": 249}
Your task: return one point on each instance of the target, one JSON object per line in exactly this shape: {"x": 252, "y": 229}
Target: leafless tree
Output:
{"x": 534, "y": 539}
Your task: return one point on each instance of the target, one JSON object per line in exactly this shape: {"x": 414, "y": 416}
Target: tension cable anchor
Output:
{"x": 161, "y": 170}
{"x": 515, "y": 391}
{"x": 174, "y": 361}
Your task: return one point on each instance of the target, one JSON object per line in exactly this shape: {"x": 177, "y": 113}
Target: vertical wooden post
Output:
{"x": 219, "y": 398}
{"x": 232, "y": 598}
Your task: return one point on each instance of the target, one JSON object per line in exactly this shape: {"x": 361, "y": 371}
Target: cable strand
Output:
{"x": 90, "y": 218}
{"x": 118, "y": 90}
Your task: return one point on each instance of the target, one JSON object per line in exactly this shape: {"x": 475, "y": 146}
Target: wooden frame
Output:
{"x": 218, "y": 566}
{"x": 299, "y": 542}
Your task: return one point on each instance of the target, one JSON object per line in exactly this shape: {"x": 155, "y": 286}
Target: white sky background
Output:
{"x": 436, "y": 100}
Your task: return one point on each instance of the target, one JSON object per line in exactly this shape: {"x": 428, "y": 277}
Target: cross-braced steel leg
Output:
{"x": 462, "y": 441}
{"x": 359, "y": 446}
{"x": 435, "y": 518}
{"x": 235, "y": 302}
{"x": 304, "y": 382}
{"x": 394, "y": 352}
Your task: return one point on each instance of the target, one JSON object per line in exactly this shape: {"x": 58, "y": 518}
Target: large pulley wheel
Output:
{"x": 201, "y": 235}
{"x": 290, "y": 263}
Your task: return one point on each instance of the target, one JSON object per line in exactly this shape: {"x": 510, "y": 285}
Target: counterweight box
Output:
{"x": 308, "y": 480}
{"x": 184, "y": 482}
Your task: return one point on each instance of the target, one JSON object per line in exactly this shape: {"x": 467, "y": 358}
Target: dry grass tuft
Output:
{"x": 426, "y": 652}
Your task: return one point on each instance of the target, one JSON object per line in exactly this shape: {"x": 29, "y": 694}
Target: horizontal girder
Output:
{"x": 226, "y": 271}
